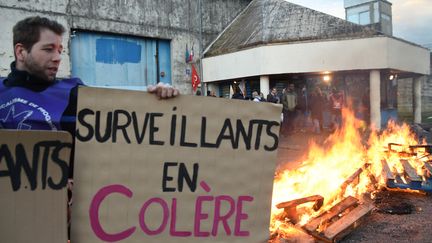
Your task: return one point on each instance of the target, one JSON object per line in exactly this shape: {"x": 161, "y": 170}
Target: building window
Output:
{"x": 354, "y": 18}
{"x": 364, "y": 18}
{"x": 385, "y": 17}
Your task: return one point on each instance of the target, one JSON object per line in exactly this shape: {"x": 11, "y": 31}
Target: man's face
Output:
{"x": 273, "y": 91}
{"x": 291, "y": 87}
{"x": 44, "y": 58}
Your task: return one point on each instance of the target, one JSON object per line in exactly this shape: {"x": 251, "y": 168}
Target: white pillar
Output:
{"x": 265, "y": 85}
{"x": 375, "y": 99}
{"x": 417, "y": 85}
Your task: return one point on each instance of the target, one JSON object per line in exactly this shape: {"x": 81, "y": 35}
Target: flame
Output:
{"x": 400, "y": 137}
{"x": 328, "y": 166}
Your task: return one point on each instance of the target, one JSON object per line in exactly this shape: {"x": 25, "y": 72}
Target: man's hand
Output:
{"x": 163, "y": 91}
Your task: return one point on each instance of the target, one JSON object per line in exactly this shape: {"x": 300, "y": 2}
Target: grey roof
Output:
{"x": 278, "y": 21}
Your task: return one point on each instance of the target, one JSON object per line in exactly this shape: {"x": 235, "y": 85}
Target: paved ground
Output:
{"x": 379, "y": 226}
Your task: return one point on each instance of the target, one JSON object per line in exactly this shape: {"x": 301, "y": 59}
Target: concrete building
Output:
{"x": 127, "y": 44}
{"x": 376, "y": 14}
{"x": 407, "y": 103}
{"x": 131, "y": 44}
{"x": 273, "y": 42}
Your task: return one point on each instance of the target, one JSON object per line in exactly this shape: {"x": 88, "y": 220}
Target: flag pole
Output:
{"x": 203, "y": 88}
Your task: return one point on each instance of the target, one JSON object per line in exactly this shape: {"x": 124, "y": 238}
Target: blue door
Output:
{"x": 164, "y": 61}
{"x": 114, "y": 61}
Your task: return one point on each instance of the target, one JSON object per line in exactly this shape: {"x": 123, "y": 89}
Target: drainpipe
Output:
{"x": 203, "y": 88}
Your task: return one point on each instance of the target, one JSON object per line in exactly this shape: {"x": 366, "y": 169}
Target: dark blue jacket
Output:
{"x": 29, "y": 103}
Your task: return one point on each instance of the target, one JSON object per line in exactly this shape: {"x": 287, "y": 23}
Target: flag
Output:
{"x": 195, "y": 79}
{"x": 187, "y": 54}
{"x": 191, "y": 55}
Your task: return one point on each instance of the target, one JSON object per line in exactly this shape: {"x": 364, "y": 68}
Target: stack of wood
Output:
{"x": 333, "y": 224}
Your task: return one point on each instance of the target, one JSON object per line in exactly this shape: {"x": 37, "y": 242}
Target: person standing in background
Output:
{"x": 317, "y": 105}
{"x": 273, "y": 97}
{"x": 237, "y": 93}
{"x": 289, "y": 102}
{"x": 336, "y": 102}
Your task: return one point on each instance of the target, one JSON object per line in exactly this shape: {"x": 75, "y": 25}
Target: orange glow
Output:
{"x": 328, "y": 166}
{"x": 326, "y": 78}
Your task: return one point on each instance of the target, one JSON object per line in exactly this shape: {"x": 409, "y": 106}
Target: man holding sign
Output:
{"x": 31, "y": 97}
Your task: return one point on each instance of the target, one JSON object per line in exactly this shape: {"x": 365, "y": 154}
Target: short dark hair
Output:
{"x": 27, "y": 31}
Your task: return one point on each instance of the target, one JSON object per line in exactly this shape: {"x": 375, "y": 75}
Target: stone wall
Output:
{"x": 176, "y": 20}
{"x": 405, "y": 98}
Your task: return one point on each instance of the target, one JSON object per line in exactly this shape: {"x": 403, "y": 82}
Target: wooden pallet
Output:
{"x": 409, "y": 150}
{"x": 339, "y": 221}
{"x": 409, "y": 180}
{"x": 290, "y": 207}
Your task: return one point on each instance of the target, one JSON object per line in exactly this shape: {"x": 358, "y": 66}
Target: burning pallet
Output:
{"x": 409, "y": 179}
{"x": 290, "y": 207}
{"x": 339, "y": 221}
{"x": 410, "y": 150}
{"x": 335, "y": 223}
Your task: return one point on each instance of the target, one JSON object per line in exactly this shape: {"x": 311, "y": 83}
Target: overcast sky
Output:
{"x": 412, "y": 19}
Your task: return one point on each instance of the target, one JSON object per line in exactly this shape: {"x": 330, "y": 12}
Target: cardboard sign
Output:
{"x": 187, "y": 169}
{"x": 34, "y": 169}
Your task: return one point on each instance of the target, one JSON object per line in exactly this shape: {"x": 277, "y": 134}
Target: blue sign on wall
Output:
{"x": 120, "y": 62}
{"x": 114, "y": 51}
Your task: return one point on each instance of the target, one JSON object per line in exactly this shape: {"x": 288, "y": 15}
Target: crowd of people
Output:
{"x": 303, "y": 110}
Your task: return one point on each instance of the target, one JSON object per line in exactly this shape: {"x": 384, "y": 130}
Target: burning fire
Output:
{"x": 400, "y": 137}
{"x": 327, "y": 167}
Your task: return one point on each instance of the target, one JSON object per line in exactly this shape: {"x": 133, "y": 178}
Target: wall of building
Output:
{"x": 405, "y": 98}
{"x": 386, "y": 17}
{"x": 175, "y": 20}
{"x": 319, "y": 56}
